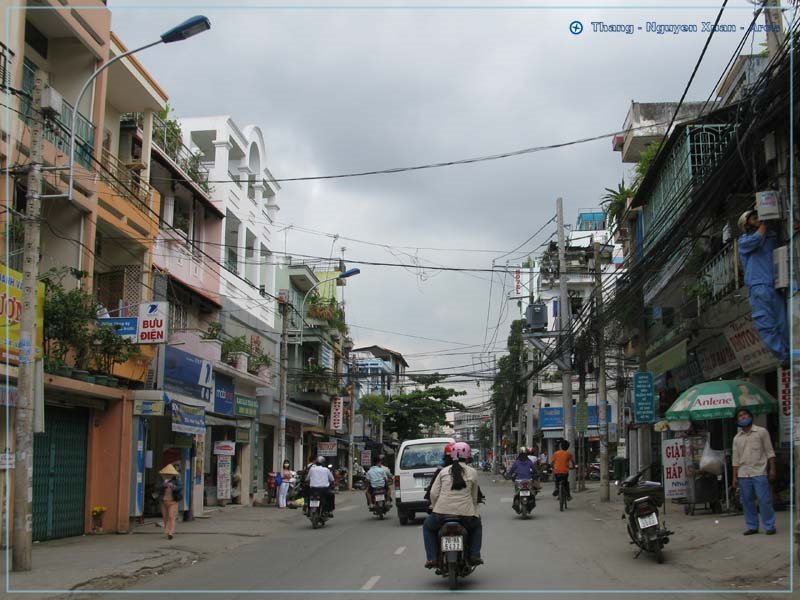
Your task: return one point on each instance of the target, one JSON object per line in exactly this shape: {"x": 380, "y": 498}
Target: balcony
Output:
{"x": 167, "y": 137}
{"x": 668, "y": 192}
{"x": 59, "y": 135}
{"x": 720, "y": 276}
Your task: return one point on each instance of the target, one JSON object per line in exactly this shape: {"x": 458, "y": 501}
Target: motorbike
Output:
{"x": 486, "y": 466}
{"x": 314, "y": 511}
{"x": 452, "y": 556}
{"x": 642, "y": 499}
{"x": 380, "y": 506}
{"x": 524, "y": 498}
{"x": 593, "y": 473}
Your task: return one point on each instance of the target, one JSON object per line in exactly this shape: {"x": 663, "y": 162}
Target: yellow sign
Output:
{"x": 674, "y": 357}
{"x": 11, "y": 314}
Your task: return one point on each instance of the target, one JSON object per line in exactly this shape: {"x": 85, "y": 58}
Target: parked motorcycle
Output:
{"x": 314, "y": 511}
{"x": 642, "y": 499}
{"x": 593, "y": 473}
{"x": 381, "y": 505}
{"x": 486, "y": 466}
{"x": 524, "y": 498}
{"x": 452, "y": 556}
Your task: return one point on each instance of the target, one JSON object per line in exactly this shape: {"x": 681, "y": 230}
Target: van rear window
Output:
{"x": 423, "y": 456}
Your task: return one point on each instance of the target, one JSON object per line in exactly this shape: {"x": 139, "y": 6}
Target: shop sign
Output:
{"x": 225, "y": 448}
{"x": 188, "y": 374}
{"x": 366, "y": 458}
{"x": 581, "y": 416}
{"x": 673, "y": 460}
{"x": 153, "y": 318}
{"x": 246, "y": 406}
{"x": 644, "y": 397}
{"x": 337, "y": 414}
{"x": 717, "y": 358}
{"x": 785, "y": 407}
{"x": 11, "y": 314}
{"x": 613, "y": 432}
{"x": 723, "y": 400}
{"x": 183, "y": 440}
{"x": 750, "y": 351}
{"x": 148, "y": 408}
{"x": 674, "y": 357}
{"x": 327, "y": 448}
{"x": 242, "y": 436}
{"x": 223, "y": 477}
{"x": 551, "y": 417}
{"x": 188, "y": 419}
{"x": 124, "y": 327}
{"x": 223, "y": 394}
{"x": 6, "y": 460}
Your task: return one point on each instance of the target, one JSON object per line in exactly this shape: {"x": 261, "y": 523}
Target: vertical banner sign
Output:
{"x": 366, "y": 458}
{"x": 517, "y": 281}
{"x": 223, "y": 477}
{"x": 644, "y": 398}
{"x": 581, "y": 417}
{"x": 673, "y": 459}
{"x": 337, "y": 414}
{"x": 11, "y": 314}
{"x": 153, "y": 319}
{"x": 785, "y": 407}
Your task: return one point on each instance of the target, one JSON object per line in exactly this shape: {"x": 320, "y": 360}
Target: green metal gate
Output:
{"x": 59, "y": 474}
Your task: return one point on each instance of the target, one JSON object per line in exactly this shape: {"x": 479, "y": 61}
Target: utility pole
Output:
{"x": 563, "y": 332}
{"x": 495, "y": 462}
{"x": 601, "y": 374}
{"x": 774, "y": 22}
{"x": 23, "y": 427}
{"x": 580, "y": 442}
{"x": 351, "y": 429}
{"x": 283, "y": 301}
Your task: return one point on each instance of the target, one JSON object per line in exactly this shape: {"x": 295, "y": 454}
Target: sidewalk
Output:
{"x": 117, "y": 561}
{"x": 711, "y": 545}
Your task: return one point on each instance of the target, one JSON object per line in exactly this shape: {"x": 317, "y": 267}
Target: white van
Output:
{"x": 415, "y": 466}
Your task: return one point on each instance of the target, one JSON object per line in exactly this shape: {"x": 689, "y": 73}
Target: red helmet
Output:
{"x": 460, "y": 450}
{"x": 449, "y": 448}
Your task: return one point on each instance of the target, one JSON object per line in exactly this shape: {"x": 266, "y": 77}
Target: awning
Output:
{"x": 219, "y": 421}
{"x": 211, "y": 298}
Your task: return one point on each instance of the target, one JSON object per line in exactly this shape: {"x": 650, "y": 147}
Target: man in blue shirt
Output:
{"x": 378, "y": 477}
{"x": 769, "y": 309}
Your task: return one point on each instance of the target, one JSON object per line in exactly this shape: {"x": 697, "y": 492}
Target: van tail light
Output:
{"x": 397, "y": 482}
{"x": 644, "y": 509}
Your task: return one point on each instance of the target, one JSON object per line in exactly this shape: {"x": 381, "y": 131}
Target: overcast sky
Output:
{"x": 342, "y": 90}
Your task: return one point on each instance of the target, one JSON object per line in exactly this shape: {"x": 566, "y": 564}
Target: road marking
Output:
{"x": 371, "y": 582}
{"x": 400, "y": 550}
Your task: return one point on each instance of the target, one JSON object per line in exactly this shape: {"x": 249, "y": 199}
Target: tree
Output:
{"x": 508, "y": 389}
{"x": 410, "y": 414}
{"x": 372, "y": 407}
{"x": 615, "y": 203}
{"x": 646, "y": 159}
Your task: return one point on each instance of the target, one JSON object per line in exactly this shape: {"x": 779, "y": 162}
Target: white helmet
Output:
{"x": 522, "y": 450}
{"x": 743, "y": 219}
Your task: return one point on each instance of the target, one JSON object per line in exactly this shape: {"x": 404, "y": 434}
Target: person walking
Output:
{"x": 286, "y": 475}
{"x": 753, "y": 470}
{"x": 170, "y": 494}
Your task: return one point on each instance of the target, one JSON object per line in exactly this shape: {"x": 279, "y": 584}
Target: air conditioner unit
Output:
{"x": 780, "y": 266}
{"x": 51, "y": 102}
{"x": 536, "y": 316}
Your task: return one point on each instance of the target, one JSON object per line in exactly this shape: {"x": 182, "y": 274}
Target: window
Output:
{"x": 423, "y": 456}
{"x": 180, "y": 302}
{"x": 182, "y": 215}
{"x": 36, "y": 39}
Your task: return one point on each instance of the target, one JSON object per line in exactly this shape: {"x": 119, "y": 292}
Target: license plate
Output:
{"x": 648, "y": 521}
{"x": 380, "y": 498}
{"x": 314, "y": 504}
{"x": 423, "y": 482}
{"x": 452, "y": 544}
{"x": 525, "y": 493}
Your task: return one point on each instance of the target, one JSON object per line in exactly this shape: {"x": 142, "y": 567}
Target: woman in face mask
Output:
{"x": 286, "y": 475}
{"x": 753, "y": 470}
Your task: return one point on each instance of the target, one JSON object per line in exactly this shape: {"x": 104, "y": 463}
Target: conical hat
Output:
{"x": 169, "y": 470}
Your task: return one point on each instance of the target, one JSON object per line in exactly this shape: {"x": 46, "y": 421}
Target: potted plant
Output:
{"x": 235, "y": 351}
{"x": 110, "y": 349}
{"x": 97, "y": 518}
{"x": 68, "y": 315}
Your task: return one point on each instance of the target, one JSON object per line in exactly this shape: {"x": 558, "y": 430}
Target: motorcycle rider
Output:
{"x": 562, "y": 462}
{"x": 455, "y": 493}
{"x": 320, "y": 479}
{"x": 522, "y": 469}
{"x": 378, "y": 479}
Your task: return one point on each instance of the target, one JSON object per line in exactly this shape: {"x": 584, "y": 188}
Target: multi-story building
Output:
{"x": 467, "y": 425}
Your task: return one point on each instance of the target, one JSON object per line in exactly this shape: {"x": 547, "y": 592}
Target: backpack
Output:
{"x": 278, "y": 479}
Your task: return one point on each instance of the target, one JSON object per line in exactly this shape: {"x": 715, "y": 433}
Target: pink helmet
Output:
{"x": 460, "y": 450}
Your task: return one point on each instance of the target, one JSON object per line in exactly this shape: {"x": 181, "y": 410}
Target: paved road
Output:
{"x": 577, "y": 550}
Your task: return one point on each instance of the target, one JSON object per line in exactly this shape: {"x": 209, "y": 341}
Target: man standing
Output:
{"x": 752, "y": 456}
{"x": 756, "y": 245}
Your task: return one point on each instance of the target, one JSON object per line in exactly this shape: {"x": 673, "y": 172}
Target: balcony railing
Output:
{"x": 127, "y": 182}
{"x": 691, "y": 160}
{"x": 167, "y": 136}
{"x": 720, "y": 275}
{"x": 58, "y": 135}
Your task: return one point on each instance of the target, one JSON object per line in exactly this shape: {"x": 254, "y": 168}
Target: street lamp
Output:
{"x": 189, "y": 28}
